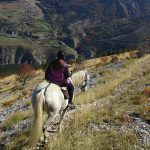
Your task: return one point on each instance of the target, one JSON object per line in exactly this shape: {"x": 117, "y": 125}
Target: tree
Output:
{"x": 26, "y": 72}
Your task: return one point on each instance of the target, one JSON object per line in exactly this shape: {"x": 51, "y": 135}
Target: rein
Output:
{"x": 46, "y": 88}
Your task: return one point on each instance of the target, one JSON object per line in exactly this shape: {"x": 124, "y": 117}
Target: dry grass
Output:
{"x": 15, "y": 118}
{"x": 146, "y": 92}
{"x": 9, "y": 101}
{"x": 28, "y": 103}
{"x": 9, "y": 78}
{"x": 122, "y": 118}
{"x": 105, "y": 72}
{"x": 105, "y": 60}
{"x": 20, "y": 141}
{"x": 139, "y": 99}
{"x": 102, "y": 90}
{"x": 78, "y": 135}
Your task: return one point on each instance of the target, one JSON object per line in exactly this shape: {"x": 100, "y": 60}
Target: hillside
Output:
{"x": 25, "y": 34}
{"x": 99, "y": 27}
{"x": 18, "y": 15}
{"x": 114, "y": 112}
{"x": 90, "y": 28}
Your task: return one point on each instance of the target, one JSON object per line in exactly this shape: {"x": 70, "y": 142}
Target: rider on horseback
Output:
{"x": 58, "y": 73}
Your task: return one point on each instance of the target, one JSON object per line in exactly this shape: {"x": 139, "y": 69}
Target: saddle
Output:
{"x": 65, "y": 92}
{"x": 63, "y": 89}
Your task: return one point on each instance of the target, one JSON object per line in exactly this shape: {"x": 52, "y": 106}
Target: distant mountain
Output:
{"x": 99, "y": 26}
{"x": 87, "y": 27}
{"x": 25, "y": 34}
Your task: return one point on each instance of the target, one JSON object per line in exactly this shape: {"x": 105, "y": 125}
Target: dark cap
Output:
{"x": 61, "y": 54}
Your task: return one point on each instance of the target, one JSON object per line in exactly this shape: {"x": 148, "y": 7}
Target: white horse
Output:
{"x": 48, "y": 97}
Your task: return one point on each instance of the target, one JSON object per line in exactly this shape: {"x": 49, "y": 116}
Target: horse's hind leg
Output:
{"x": 61, "y": 113}
{"x": 51, "y": 116}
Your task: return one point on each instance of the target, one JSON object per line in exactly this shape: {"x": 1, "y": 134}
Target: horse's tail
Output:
{"x": 38, "y": 118}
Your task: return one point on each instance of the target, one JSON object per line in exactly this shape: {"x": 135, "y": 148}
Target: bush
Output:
{"x": 26, "y": 72}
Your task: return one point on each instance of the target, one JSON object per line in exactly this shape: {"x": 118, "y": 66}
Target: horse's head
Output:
{"x": 85, "y": 83}
{"x": 81, "y": 79}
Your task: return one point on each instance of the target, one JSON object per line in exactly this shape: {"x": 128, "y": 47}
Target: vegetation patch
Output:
{"x": 19, "y": 141}
{"x": 41, "y": 26}
{"x": 9, "y": 101}
{"x": 6, "y": 70}
{"x": 78, "y": 135}
{"x": 15, "y": 118}
{"x": 104, "y": 89}
{"x": 28, "y": 103}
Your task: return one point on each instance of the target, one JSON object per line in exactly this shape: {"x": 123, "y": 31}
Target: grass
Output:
{"x": 13, "y": 15}
{"x": 28, "y": 103}
{"x": 41, "y": 26}
{"x": 104, "y": 89}
{"x": 77, "y": 134}
{"x": 15, "y": 41}
{"x": 6, "y": 70}
{"x": 7, "y": 88}
{"x": 104, "y": 140}
{"x": 147, "y": 91}
{"x": 19, "y": 141}
{"x": 105, "y": 72}
{"x": 10, "y": 101}
{"x": 16, "y": 118}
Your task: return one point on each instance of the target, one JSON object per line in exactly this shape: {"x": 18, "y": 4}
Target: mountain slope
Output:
{"x": 87, "y": 27}
{"x": 24, "y": 30}
{"x": 116, "y": 101}
{"x": 90, "y": 25}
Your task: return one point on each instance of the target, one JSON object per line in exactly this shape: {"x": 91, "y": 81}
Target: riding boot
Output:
{"x": 70, "y": 89}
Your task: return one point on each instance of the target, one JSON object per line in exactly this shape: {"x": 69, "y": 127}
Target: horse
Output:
{"x": 48, "y": 98}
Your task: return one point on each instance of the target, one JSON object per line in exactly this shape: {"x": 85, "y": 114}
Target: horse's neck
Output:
{"x": 78, "y": 77}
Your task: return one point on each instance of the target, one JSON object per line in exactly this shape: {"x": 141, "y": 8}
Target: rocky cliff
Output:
{"x": 34, "y": 54}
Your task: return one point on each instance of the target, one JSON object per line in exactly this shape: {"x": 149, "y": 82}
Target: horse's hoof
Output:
{"x": 45, "y": 141}
{"x": 42, "y": 138}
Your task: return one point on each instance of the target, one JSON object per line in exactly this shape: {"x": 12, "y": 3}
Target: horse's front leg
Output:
{"x": 61, "y": 113}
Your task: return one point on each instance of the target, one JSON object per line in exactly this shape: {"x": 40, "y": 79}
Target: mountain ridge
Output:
{"x": 88, "y": 28}
{"x": 110, "y": 18}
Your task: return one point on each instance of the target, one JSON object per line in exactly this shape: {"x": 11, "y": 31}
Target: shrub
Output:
{"x": 114, "y": 58}
{"x": 146, "y": 91}
{"x": 26, "y": 71}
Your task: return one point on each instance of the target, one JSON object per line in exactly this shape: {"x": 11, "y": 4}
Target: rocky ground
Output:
{"x": 135, "y": 125}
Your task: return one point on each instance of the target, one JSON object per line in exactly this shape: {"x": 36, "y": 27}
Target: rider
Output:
{"x": 58, "y": 73}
